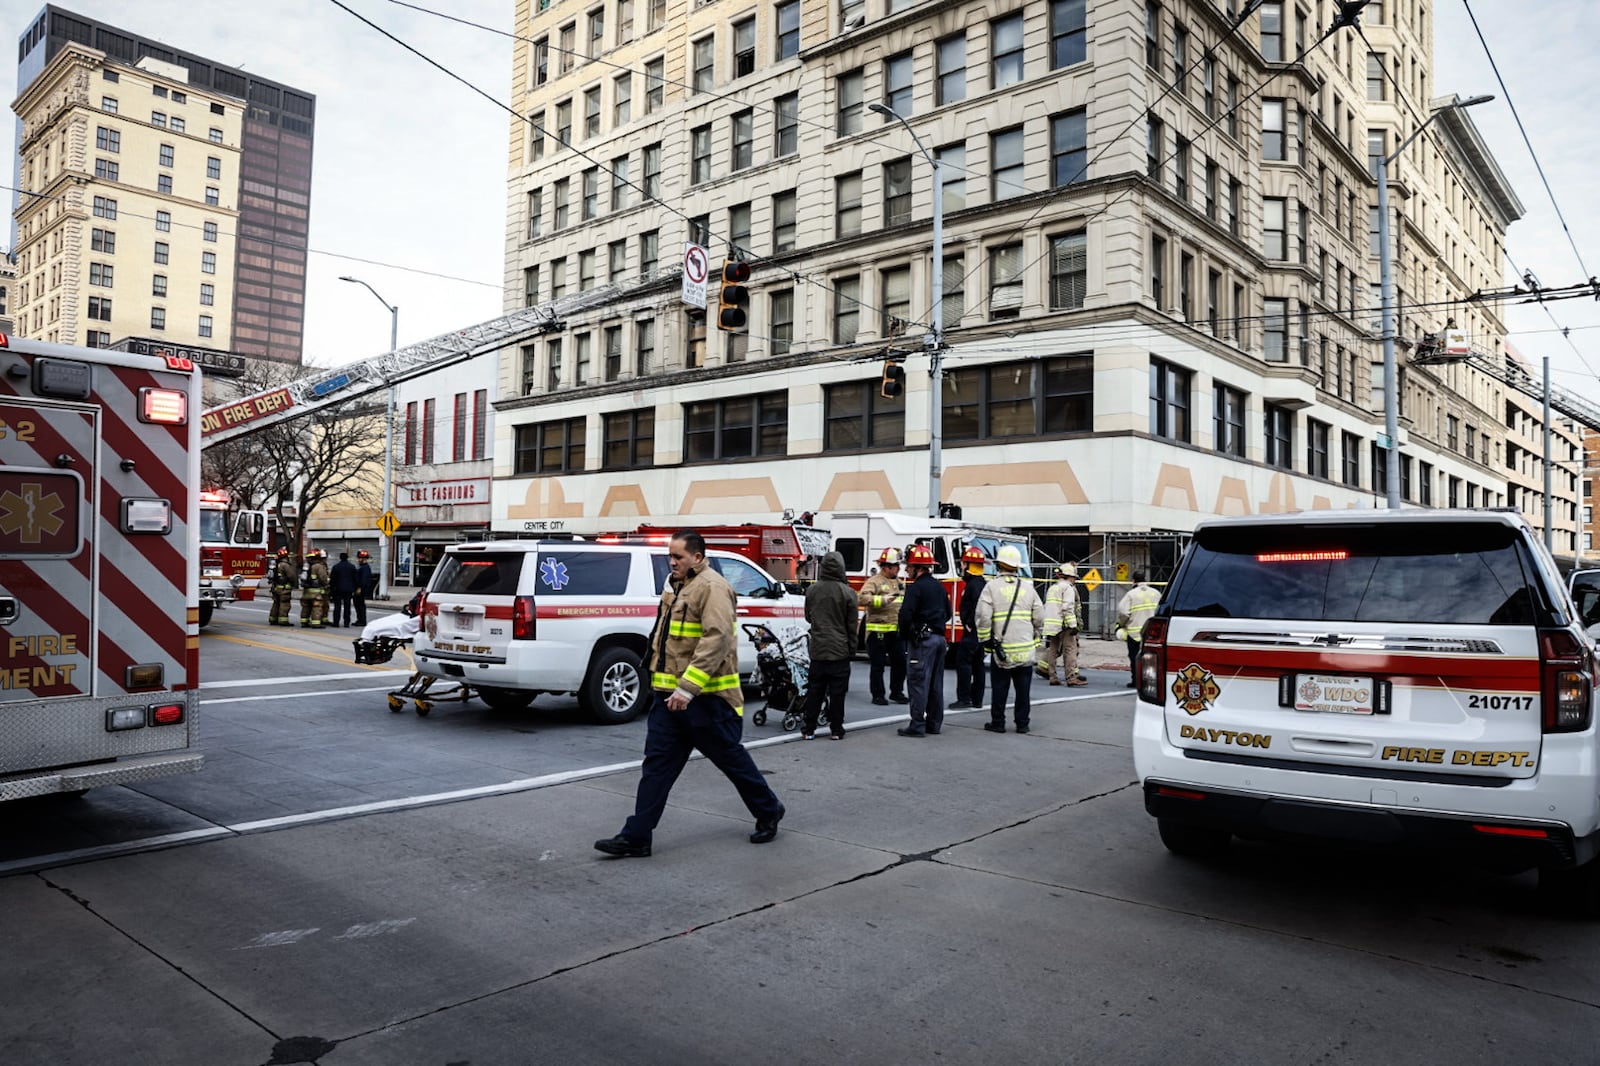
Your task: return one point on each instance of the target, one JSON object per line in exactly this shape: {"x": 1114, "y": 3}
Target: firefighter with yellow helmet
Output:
{"x": 1062, "y": 620}
{"x": 1010, "y": 620}
{"x": 314, "y": 596}
{"x": 1138, "y": 604}
{"x": 285, "y": 579}
{"x": 881, "y": 596}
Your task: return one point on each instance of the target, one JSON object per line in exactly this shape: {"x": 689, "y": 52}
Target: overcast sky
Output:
{"x": 410, "y": 166}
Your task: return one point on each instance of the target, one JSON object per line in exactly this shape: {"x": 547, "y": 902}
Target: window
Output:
{"x": 1316, "y": 448}
{"x": 162, "y": 252}
{"x": 110, "y": 75}
{"x": 849, "y": 92}
{"x": 1213, "y": 300}
{"x": 597, "y": 32}
{"x": 611, "y": 355}
{"x": 857, "y": 417}
{"x": 1380, "y": 469}
{"x": 590, "y": 203}
{"x": 106, "y": 169}
{"x": 847, "y": 200}
{"x": 1154, "y": 137}
{"x": 744, "y": 139}
{"x": 616, "y": 261}
{"x": 564, "y": 122}
{"x": 1273, "y": 227}
{"x": 1350, "y": 459}
{"x": 739, "y": 229}
{"x": 108, "y": 104}
{"x": 953, "y": 170}
{"x": 159, "y": 90}
{"x": 1376, "y": 89}
{"x": 98, "y": 338}
{"x": 548, "y": 447}
{"x": 1272, "y": 31}
{"x": 783, "y": 231}
{"x": 897, "y": 85}
{"x": 1279, "y": 428}
{"x": 897, "y": 192}
{"x": 629, "y": 440}
{"x": 1069, "y": 147}
{"x": 1272, "y": 138}
{"x": 649, "y": 252}
{"x": 530, "y": 285}
{"x": 1005, "y": 281}
{"x": 100, "y": 274}
{"x": 1227, "y": 420}
{"x": 620, "y": 185}
{"x": 411, "y": 434}
{"x": 1169, "y": 400}
{"x": 212, "y": 196}
{"x": 1208, "y": 86}
{"x": 209, "y": 231}
{"x": 788, "y": 29}
{"x": 158, "y": 318}
{"x": 1377, "y": 150}
{"x": 213, "y": 167}
{"x": 563, "y": 207}
{"x": 158, "y": 285}
{"x": 1152, "y": 35}
{"x": 744, "y": 47}
{"x": 1005, "y": 49}
{"x": 736, "y": 427}
{"x": 1181, "y": 166}
{"x": 780, "y": 321}
{"x": 535, "y": 213}
{"x": 1186, "y": 286}
{"x": 704, "y": 64}
{"x": 104, "y": 207}
{"x": 179, "y": 98}
{"x": 1020, "y": 399}
{"x": 1275, "y": 330}
{"x": 208, "y": 262}
{"x": 1005, "y": 160}
{"x": 553, "y": 364}
{"x": 208, "y": 294}
{"x": 1211, "y": 190}
{"x": 1180, "y": 60}
{"x": 700, "y": 158}
{"x": 621, "y": 100}
{"x": 164, "y": 184}
{"x": 109, "y": 140}
{"x": 591, "y": 112}
{"x": 567, "y": 37}
{"x": 165, "y": 155}
{"x": 103, "y": 240}
{"x": 656, "y": 14}
{"x": 1233, "y": 107}
{"x": 1158, "y": 271}
{"x": 586, "y": 281}
{"x": 953, "y": 298}
{"x": 652, "y": 170}
{"x": 644, "y": 346}
{"x": 541, "y": 61}
{"x": 895, "y": 298}
{"x": 846, "y": 309}
{"x": 1069, "y": 270}
{"x": 100, "y": 308}
{"x": 950, "y": 55}
{"x": 786, "y": 125}
{"x": 1067, "y": 33}
{"x": 163, "y": 221}
{"x": 655, "y": 85}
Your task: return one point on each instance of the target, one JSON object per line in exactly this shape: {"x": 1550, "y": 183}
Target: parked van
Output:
{"x": 1412, "y": 678}
{"x": 517, "y": 618}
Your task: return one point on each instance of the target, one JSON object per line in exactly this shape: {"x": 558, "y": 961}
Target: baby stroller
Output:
{"x": 782, "y": 670}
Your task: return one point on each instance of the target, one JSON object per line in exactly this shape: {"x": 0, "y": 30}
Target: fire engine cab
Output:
{"x": 233, "y": 553}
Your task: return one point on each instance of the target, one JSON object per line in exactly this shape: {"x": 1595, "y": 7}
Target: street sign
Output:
{"x": 388, "y": 523}
{"x": 1122, "y": 571}
{"x": 1384, "y": 442}
{"x": 696, "y": 268}
{"x": 1091, "y": 580}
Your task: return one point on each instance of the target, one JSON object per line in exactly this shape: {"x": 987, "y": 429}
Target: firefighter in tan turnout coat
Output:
{"x": 1062, "y": 621}
{"x": 881, "y": 596}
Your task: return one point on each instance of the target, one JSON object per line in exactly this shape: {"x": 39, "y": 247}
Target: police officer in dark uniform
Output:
{"x": 923, "y": 616}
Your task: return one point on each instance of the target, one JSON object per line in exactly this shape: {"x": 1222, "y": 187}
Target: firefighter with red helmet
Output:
{"x": 285, "y": 579}
{"x": 881, "y": 596}
{"x": 923, "y": 616}
{"x": 365, "y": 584}
{"x": 969, "y": 653}
{"x": 314, "y": 595}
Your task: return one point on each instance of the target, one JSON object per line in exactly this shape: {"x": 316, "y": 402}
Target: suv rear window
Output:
{"x": 564, "y": 573}
{"x": 1425, "y": 572}
{"x": 478, "y": 573}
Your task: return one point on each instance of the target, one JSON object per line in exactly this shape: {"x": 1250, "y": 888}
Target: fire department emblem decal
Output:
{"x": 1310, "y": 692}
{"x": 553, "y": 572}
{"x": 1195, "y": 688}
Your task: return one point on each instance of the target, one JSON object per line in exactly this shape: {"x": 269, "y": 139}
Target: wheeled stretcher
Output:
{"x": 419, "y": 687}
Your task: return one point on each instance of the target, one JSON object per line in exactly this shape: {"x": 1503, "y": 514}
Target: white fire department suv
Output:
{"x": 519, "y": 618}
{"x": 1410, "y": 678}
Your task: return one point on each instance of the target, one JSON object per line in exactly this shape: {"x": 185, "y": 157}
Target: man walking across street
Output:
{"x": 881, "y": 596}
{"x": 285, "y": 578}
{"x": 1134, "y": 610}
{"x": 365, "y": 583}
{"x": 694, "y": 670}
{"x": 341, "y": 588}
{"x": 923, "y": 616}
{"x": 1061, "y": 625}
{"x": 969, "y": 652}
{"x": 314, "y": 595}
{"x": 1010, "y": 619}
{"x": 831, "y": 613}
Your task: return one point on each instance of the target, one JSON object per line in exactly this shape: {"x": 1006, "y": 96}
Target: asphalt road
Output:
{"x": 966, "y": 898}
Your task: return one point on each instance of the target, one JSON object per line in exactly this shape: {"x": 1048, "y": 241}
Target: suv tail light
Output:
{"x": 1153, "y": 661}
{"x": 523, "y": 619}
{"x": 1566, "y": 680}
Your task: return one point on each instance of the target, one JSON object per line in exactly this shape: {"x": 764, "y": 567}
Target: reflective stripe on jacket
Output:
{"x": 1010, "y": 612}
{"x": 695, "y": 646}
{"x": 1135, "y": 609}
{"x": 881, "y": 596}
{"x": 1060, "y": 608}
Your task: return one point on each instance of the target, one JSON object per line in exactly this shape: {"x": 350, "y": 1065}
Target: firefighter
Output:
{"x": 1134, "y": 610}
{"x": 285, "y": 579}
{"x": 1010, "y": 619}
{"x": 314, "y": 597}
{"x": 1061, "y": 624}
{"x": 366, "y": 584}
{"x": 923, "y": 616}
{"x": 881, "y": 596}
{"x": 969, "y": 653}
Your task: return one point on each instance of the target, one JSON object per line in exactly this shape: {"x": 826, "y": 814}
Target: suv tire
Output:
{"x": 506, "y": 699}
{"x": 1192, "y": 841}
{"x": 615, "y": 690}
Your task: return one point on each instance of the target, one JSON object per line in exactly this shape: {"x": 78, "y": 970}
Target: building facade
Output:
{"x": 1159, "y": 246}
{"x": 160, "y": 193}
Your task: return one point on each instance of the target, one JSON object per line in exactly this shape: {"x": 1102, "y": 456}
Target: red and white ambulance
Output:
{"x": 99, "y": 479}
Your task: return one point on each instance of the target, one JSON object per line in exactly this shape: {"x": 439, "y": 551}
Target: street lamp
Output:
{"x": 388, "y": 439}
{"x": 1391, "y": 405}
{"x": 934, "y": 339}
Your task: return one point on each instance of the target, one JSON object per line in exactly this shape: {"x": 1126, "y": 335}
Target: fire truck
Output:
{"x": 233, "y": 553}
{"x": 787, "y": 550}
{"x": 99, "y": 553}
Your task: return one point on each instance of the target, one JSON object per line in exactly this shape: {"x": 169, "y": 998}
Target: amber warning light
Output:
{"x": 1332, "y": 555}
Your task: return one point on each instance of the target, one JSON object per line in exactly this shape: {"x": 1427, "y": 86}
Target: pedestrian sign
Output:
{"x": 388, "y": 524}
{"x": 1091, "y": 580}
{"x": 1122, "y": 571}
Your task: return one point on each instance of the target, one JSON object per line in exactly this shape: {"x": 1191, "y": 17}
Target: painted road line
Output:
{"x": 295, "y": 695}
{"x": 289, "y": 651}
{"x": 296, "y": 679}
{"x": 104, "y": 851}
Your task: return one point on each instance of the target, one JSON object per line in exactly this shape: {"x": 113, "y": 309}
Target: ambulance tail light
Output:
{"x": 167, "y": 407}
{"x": 1153, "y": 661}
{"x": 1566, "y": 681}
{"x": 524, "y": 625}
{"x": 166, "y": 714}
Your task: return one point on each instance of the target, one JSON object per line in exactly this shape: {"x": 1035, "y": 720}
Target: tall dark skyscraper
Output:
{"x": 274, "y": 172}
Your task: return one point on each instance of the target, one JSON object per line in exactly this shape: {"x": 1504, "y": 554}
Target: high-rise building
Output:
{"x": 1160, "y": 248}
{"x": 163, "y": 195}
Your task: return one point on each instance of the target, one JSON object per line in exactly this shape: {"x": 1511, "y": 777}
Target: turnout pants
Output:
{"x": 925, "y": 678}
{"x": 969, "y": 670}
{"x": 885, "y": 648}
{"x": 707, "y": 725}
{"x": 1061, "y": 648}
{"x": 282, "y": 613}
{"x": 314, "y": 608}
{"x": 1005, "y": 678}
{"x": 829, "y": 680}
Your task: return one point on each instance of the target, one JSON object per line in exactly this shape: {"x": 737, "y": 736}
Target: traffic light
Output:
{"x": 734, "y": 299}
{"x": 894, "y": 380}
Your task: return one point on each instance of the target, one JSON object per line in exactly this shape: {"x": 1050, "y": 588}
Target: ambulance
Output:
{"x": 99, "y": 522}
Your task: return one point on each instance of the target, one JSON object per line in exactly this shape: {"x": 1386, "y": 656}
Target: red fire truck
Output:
{"x": 233, "y": 553}
{"x": 99, "y": 552}
{"x": 788, "y": 551}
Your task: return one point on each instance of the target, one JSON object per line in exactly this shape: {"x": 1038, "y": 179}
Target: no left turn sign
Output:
{"x": 696, "y": 268}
